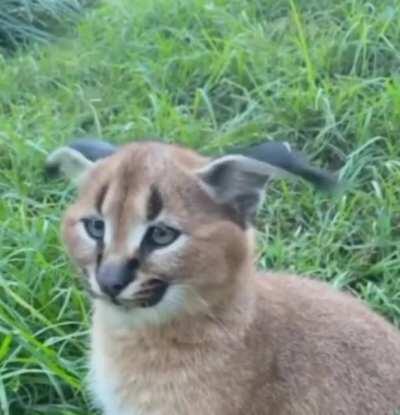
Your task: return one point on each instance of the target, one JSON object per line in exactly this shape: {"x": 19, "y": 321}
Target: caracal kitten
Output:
{"x": 183, "y": 323}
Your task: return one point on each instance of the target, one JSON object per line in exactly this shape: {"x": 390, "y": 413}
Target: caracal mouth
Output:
{"x": 149, "y": 295}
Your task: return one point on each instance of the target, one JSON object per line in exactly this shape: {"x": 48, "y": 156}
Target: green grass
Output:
{"x": 323, "y": 75}
{"x": 24, "y": 21}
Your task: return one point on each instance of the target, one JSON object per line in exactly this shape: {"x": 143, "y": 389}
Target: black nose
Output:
{"x": 113, "y": 277}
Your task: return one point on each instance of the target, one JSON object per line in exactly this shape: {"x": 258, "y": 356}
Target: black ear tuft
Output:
{"x": 93, "y": 149}
{"x": 280, "y": 155}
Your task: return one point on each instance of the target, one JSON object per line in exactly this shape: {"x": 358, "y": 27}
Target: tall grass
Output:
{"x": 22, "y": 21}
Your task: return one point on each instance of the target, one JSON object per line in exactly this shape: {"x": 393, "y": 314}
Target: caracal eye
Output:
{"x": 162, "y": 235}
{"x": 95, "y": 227}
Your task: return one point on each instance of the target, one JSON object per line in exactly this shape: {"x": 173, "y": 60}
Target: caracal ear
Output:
{"x": 239, "y": 180}
{"x": 69, "y": 162}
{"x": 76, "y": 159}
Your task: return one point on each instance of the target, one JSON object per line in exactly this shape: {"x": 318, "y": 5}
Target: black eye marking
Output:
{"x": 160, "y": 235}
{"x": 94, "y": 227}
{"x": 155, "y": 203}
{"x": 99, "y": 256}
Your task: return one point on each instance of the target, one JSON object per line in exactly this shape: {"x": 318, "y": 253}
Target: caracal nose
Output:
{"x": 113, "y": 277}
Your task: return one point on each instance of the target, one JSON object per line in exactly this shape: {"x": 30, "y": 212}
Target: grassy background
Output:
{"x": 23, "y": 21}
{"x": 321, "y": 74}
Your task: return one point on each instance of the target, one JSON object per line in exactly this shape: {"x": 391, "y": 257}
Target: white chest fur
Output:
{"x": 124, "y": 383}
{"x": 125, "y": 378}
{"x": 118, "y": 393}
{"x": 105, "y": 387}
{"x": 155, "y": 374}
{"x": 121, "y": 387}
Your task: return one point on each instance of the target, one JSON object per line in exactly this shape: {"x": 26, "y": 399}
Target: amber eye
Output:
{"x": 161, "y": 235}
{"x": 94, "y": 227}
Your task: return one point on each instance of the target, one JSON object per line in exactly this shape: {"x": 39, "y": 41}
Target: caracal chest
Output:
{"x": 144, "y": 384}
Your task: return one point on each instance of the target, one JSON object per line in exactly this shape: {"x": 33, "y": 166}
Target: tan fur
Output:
{"x": 238, "y": 342}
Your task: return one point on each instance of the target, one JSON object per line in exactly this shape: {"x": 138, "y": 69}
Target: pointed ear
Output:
{"x": 239, "y": 180}
{"x": 75, "y": 160}
{"x": 68, "y": 162}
